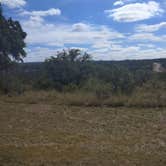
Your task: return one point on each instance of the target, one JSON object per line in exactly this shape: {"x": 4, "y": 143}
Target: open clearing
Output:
{"x": 41, "y": 134}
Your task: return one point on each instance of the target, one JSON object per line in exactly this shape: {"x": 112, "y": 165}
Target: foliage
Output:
{"x": 101, "y": 78}
{"x": 11, "y": 82}
{"x": 70, "y": 55}
{"x": 11, "y": 41}
{"x": 11, "y": 50}
{"x": 69, "y": 67}
{"x": 100, "y": 88}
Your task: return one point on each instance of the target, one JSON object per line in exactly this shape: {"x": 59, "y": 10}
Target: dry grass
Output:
{"x": 47, "y": 129}
{"x": 143, "y": 97}
{"x": 140, "y": 98}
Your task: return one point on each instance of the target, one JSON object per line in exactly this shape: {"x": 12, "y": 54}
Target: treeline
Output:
{"x": 73, "y": 70}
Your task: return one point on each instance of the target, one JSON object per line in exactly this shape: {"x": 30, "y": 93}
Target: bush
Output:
{"x": 11, "y": 84}
{"x": 151, "y": 94}
{"x": 100, "y": 88}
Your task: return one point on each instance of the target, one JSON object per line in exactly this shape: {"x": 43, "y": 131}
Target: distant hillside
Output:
{"x": 132, "y": 65}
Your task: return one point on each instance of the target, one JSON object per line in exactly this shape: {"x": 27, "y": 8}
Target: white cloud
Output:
{"x": 13, "y": 3}
{"x": 80, "y": 27}
{"x": 135, "y": 12}
{"x": 128, "y": 52}
{"x": 118, "y": 3}
{"x": 40, "y": 13}
{"x": 122, "y": 2}
{"x": 118, "y": 52}
{"x": 103, "y": 42}
{"x": 150, "y": 28}
{"x": 146, "y": 37}
{"x": 48, "y": 34}
{"x": 146, "y": 45}
{"x": 39, "y": 54}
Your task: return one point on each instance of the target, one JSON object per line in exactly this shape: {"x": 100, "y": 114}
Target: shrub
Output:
{"x": 11, "y": 84}
{"x": 100, "y": 88}
{"x": 151, "y": 94}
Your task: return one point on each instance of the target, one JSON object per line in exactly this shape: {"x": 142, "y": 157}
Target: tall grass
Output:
{"x": 149, "y": 95}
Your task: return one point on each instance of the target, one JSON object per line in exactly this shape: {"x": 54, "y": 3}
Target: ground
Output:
{"x": 48, "y": 134}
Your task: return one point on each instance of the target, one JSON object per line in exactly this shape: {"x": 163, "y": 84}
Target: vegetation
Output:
{"x": 103, "y": 79}
{"x": 11, "y": 41}
{"x": 69, "y": 67}
{"x": 11, "y": 48}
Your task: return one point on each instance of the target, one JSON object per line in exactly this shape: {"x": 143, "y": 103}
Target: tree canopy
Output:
{"x": 11, "y": 41}
{"x": 71, "y": 55}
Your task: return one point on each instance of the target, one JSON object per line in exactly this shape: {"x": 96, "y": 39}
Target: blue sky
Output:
{"x": 108, "y": 30}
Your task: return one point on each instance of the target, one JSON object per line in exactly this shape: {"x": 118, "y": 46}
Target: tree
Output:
{"x": 71, "y": 55}
{"x": 11, "y": 41}
{"x": 11, "y": 49}
{"x": 67, "y": 68}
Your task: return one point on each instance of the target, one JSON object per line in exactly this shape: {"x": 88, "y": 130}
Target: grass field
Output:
{"x": 36, "y": 131}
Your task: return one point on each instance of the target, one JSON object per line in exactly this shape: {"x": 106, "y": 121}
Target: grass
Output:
{"x": 47, "y": 129}
{"x": 140, "y": 98}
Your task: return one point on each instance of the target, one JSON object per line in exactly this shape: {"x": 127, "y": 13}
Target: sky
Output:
{"x": 106, "y": 29}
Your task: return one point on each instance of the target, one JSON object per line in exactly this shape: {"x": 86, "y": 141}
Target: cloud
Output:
{"x": 39, "y": 54}
{"x": 145, "y": 37}
{"x": 46, "y": 38}
{"x": 41, "y": 13}
{"x": 150, "y": 28}
{"x": 13, "y": 3}
{"x": 49, "y": 34}
{"x": 135, "y": 12}
{"x": 146, "y": 45}
{"x": 102, "y": 45}
{"x": 80, "y": 27}
{"x": 100, "y": 41}
{"x": 118, "y": 52}
{"x": 122, "y": 2}
{"x": 118, "y": 3}
{"x": 128, "y": 52}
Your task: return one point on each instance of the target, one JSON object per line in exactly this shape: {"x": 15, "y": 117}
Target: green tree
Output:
{"x": 11, "y": 49}
{"x": 68, "y": 67}
{"x": 11, "y": 41}
{"x": 70, "y": 55}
